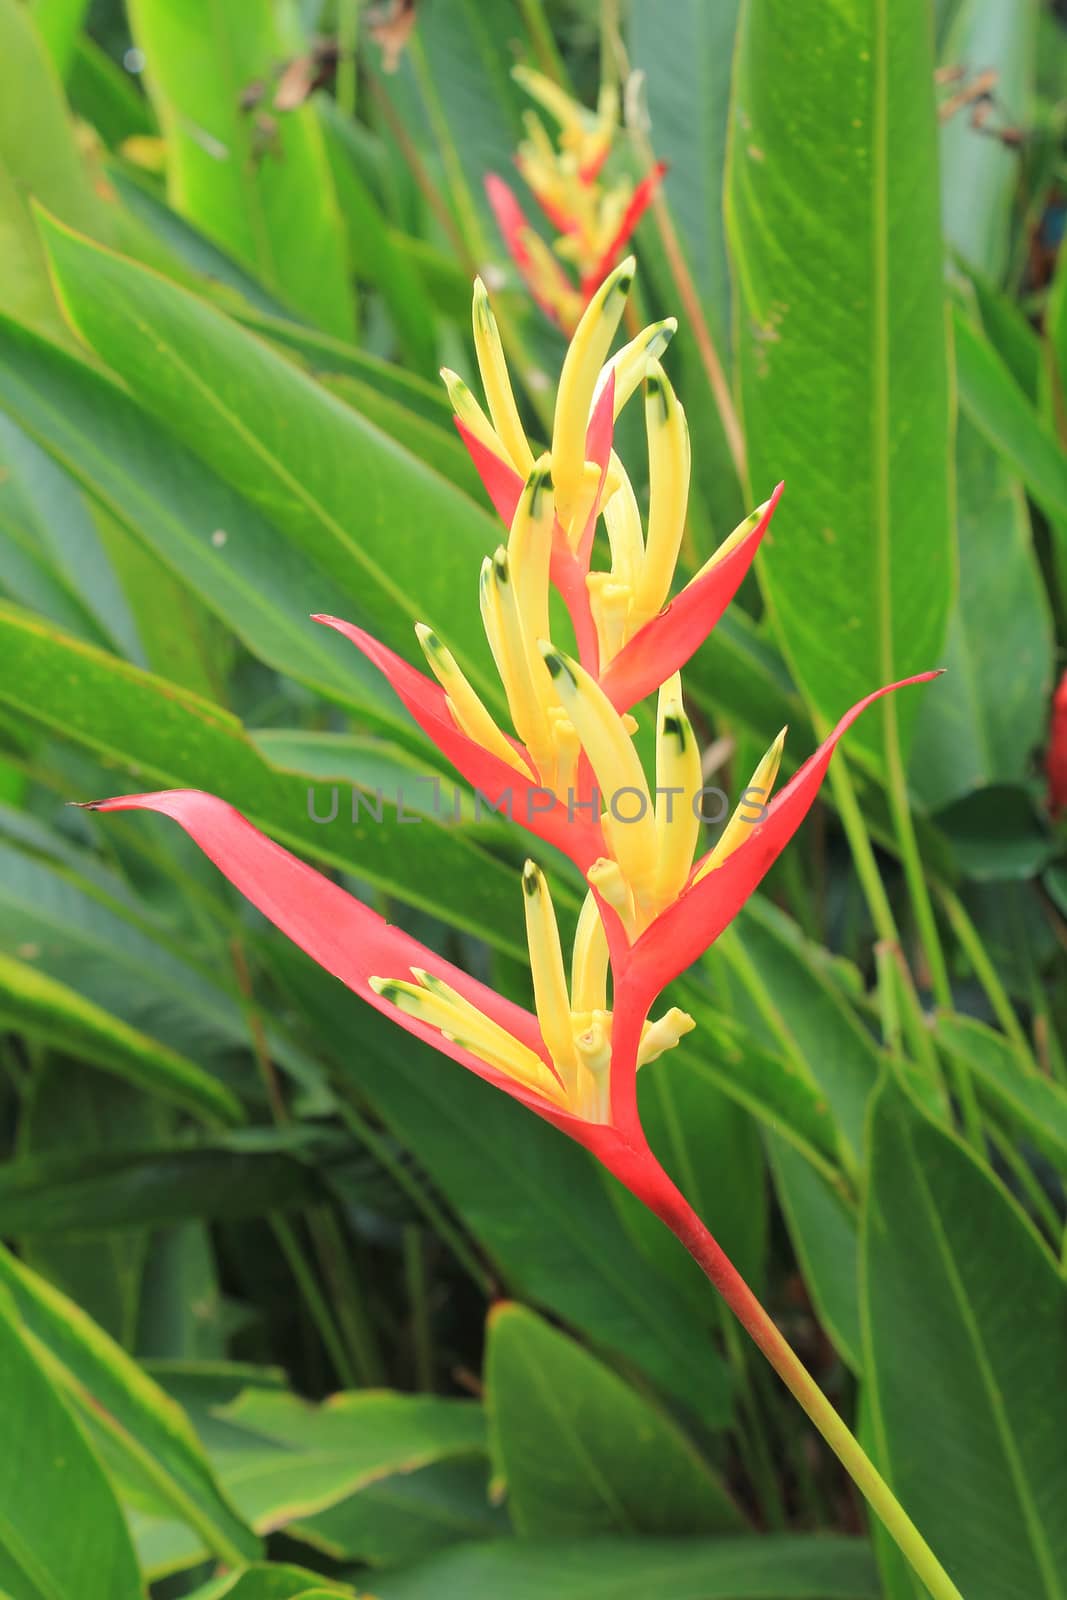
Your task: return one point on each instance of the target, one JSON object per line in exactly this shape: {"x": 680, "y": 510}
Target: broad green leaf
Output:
{"x": 999, "y": 649}
{"x": 374, "y": 257}
{"x": 283, "y": 1460}
{"x": 401, "y": 1519}
{"x": 823, "y": 1227}
{"x": 71, "y": 1111}
{"x": 153, "y": 1186}
{"x": 227, "y": 552}
{"x": 279, "y": 1581}
{"x": 47, "y": 166}
{"x": 834, "y": 228}
{"x": 320, "y": 354}
{"x": 993, "y": 401}
{"x": 767, "y": 1568}
{"x": 45, "y": 1009}
{"x": 166, "y": 737}
{"x": 776, "y": 1090}
{"x": 258, "y": 183}
{"x": 99, "y": 951}
{"x": 534, "y": 1199}
{"x": 686, "y": 66}
{"x": 1038, "y": 1105}
{"x": 795, "y": 1009}
{"x": 123, "y": 1401}
{"x": 106, "y": 96}
{"x": 687, "y": 70}
{"x": 358, "y": 505}
{"x": 997, "y": 833}
{"x": 62, "y": 1536}
{"x": 979, "y": 173}
{"x": 963, "y": 1316}
{"x": 40, "y": 506}
{"x": 219, "y": 276}
{"x": 580, "y": 1451}
{"x": 59, "y": 22}
{"x": 444, "y": 452}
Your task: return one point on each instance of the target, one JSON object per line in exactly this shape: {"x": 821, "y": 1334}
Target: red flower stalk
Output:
{"x": 654, "y": 905}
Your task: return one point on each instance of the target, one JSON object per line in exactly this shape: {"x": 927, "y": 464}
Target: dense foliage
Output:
{"x": 290, "y": 1305}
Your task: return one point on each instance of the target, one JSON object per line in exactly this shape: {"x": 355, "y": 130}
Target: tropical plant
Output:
{"x": 290, "y": 1304}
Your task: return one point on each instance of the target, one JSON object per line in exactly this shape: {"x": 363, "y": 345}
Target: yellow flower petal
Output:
{"x": 749, "y": 809}
{"x": 496, "y": 383}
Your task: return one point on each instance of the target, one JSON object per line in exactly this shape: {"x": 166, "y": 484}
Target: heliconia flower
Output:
{"x": 653, "y": 902}
{"x": 595, "y": 221}
{"x": 1056, "y": 755}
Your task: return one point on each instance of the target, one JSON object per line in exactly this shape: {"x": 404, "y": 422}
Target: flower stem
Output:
{"x": 680, "y": 1217}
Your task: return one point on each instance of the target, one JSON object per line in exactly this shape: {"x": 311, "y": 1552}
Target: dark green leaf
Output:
{"x": 583, "y": 1453}
{"x": 963, "y": 1333}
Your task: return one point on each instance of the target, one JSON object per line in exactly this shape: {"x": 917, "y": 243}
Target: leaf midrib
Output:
{"x": 1042, "y": 1554}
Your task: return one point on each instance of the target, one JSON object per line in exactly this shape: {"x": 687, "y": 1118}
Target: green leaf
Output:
{"x": 979, "y": 173}
{"x": 536, "y": 1201}
{"x": 687, "y": 69}
{"x": 62, "y": 1536}
{"x": 767, "y": 1568}
{"x": 71, "y": 1110}
{"x": 137, "y": 1417}
{"x": 284, "y": 1460}
{"x": 963, "y": 1333}
{"x": 823, "y": 1228}
{"x": 44, "y": 512}
{"x": 165, "y": 736}
{"x": 257, "y": 182}
{"x": 1036, "y": 1104}
{"x": 834, "y": 226}
{"x": 997, "y": 833}
{"x": 107, "y": 955}
{"x": 580, "y": 1451}
{"x": 90, "y": 1190}
{"x": 999, "y": 649}
{"x": 59, "y": 23}
{"x": 228, "y": 553}
{"x": 48, "y": 166}
{"x": 44, "y": 1009}
{"x": 401, "y": 1519}
{"x": 106, "y": 96}
{"x": 279, "y": 1581}
{"x": 795, "y": 1009}
{"x": 1002, "y": 413}
{"x": 374, "y": 257}
{"x": 346, "y": 495}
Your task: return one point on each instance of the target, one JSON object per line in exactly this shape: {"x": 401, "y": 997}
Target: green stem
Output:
{"x": 352, "y": 1314}
{"x": 881, "y": 911}
{"x": 315, "y": 1301}
{"x": 422, "y": 1338}
{"x": 439, "y": 1223}
{"x": 750, "y": 1430}
{"x": 679, "y": 1216}
{"x": 544, "y": 42}
{"x": 971, "y": 944}
{"x": 914, "y": 872}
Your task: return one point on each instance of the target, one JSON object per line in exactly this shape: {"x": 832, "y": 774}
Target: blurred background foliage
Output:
{"x": 236, "y": 243}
